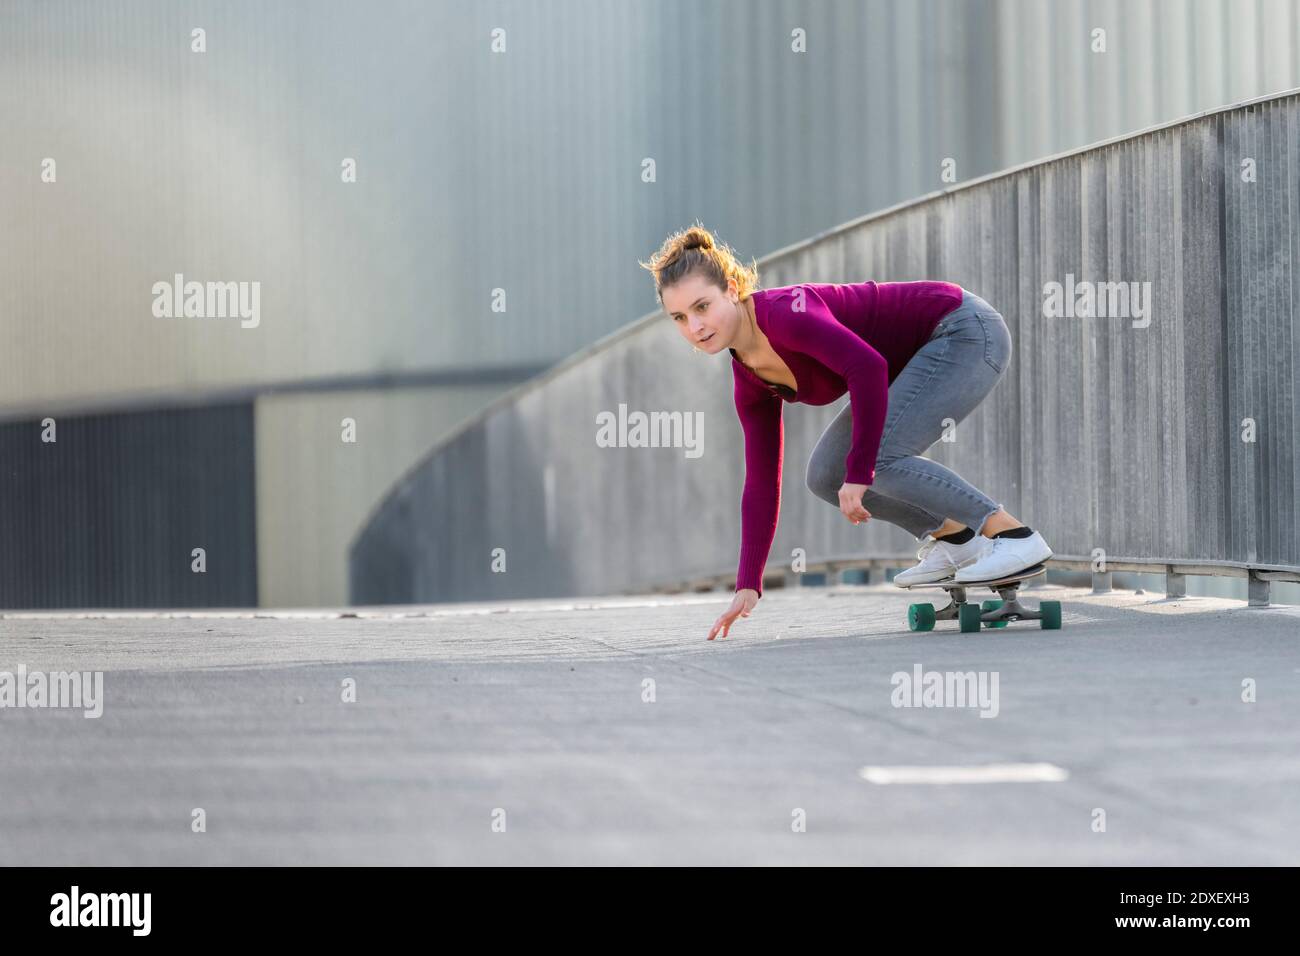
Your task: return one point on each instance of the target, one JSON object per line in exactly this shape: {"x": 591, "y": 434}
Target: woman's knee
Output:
{"x": 889, "y": 479}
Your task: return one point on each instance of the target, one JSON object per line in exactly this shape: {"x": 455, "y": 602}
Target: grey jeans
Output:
{"x": 946, "y": 379}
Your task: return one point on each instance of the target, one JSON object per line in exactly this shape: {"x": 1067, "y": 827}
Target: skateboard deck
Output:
{"x": 999, "y": 613}
{"x": 950, "y": 585}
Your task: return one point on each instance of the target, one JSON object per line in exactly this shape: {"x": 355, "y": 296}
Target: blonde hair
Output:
{"x": 694, "y": 250}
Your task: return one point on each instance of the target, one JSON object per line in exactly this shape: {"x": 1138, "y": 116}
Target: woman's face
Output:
{"x": 706, "y": 316}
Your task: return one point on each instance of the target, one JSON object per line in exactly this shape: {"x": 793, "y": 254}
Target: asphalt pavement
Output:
{"x": 608, "y": 731}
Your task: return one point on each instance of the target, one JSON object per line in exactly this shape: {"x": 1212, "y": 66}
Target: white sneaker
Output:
{"x": 940, "y": 559}
{"x": 1006, "y": 557}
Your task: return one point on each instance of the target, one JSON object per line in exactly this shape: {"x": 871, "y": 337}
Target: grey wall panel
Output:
{"x": 519, "y": 171}
{"x": 1110, "y": 435}
{"x": 108, "y": 515}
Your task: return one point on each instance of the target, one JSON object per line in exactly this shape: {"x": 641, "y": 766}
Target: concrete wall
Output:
{"x": 1104, "y": 434}
{"x": 315, "y": 490}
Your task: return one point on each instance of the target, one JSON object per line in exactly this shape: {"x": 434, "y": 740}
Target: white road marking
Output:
{"x": 988, "y": 773}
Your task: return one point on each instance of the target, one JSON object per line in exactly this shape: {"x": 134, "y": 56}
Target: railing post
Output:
{"x": 1100, "y": 582}
{"x": 1257, "y": 590}
{"x": 1175, "y": 584}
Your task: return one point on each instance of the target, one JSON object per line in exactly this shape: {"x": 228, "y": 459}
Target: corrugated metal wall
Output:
{"x": 109, "y": 513}
{"x": 1104, "y": 434}
{"x": 519, "y": 171}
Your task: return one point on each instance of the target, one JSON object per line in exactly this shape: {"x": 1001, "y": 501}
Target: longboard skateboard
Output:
{"x": 921, "y": 617}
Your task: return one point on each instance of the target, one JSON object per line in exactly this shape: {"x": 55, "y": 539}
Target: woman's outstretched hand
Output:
{"x": 851, "y": 503}
{"x": 743, "y": 603}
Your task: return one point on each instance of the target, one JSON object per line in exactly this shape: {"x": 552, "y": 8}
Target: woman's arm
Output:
{"x": 760, "y": 501}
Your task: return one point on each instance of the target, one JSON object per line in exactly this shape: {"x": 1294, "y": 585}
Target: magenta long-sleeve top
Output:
{"x": 853, "y": 337}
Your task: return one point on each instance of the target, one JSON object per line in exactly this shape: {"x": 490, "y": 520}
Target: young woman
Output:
{"x": 910, "y": 355}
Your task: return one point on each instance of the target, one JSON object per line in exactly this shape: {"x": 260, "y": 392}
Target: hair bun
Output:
{"x": 697, "y": 238}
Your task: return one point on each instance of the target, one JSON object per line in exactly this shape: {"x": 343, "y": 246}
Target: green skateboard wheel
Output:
{"x": 969, "y": 615}
{"x": 920, "y": 617}
{"x": 1051, "y": 611}
{"x": 992, "y": 606}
